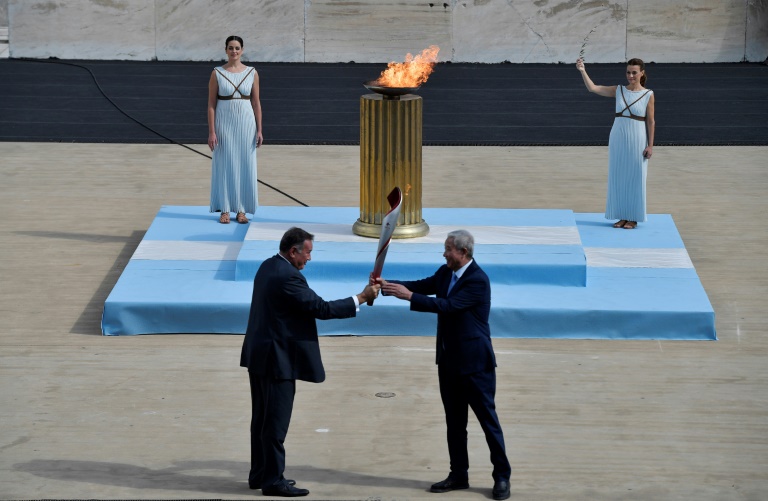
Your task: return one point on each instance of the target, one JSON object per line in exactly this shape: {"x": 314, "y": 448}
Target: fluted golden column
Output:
{"x": 390, "y": 155}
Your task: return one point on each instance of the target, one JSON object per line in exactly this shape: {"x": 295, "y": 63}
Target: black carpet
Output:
{"x": 464, "y": 104}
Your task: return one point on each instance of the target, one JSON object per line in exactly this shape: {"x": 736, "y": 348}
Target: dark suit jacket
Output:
{"x": 281, "y": 337}
{"x": 463, "y": 332}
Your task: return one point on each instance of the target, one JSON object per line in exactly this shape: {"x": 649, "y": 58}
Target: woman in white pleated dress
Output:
{"x": 630, "y": 144}
{"x": 234, "y": 133}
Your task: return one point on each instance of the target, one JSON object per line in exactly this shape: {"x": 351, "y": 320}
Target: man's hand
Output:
{"x": 397, "y": 290}
{"x": 370, "y": 293}
{"x": 380, "y": 281}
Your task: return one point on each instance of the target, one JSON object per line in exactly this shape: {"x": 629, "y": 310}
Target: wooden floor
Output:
{"x": 161, "y": 417}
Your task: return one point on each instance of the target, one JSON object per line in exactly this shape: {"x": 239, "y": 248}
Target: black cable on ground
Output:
{"x": 150, "y": 129}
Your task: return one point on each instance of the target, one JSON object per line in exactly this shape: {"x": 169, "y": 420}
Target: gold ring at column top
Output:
{"x": 402, "y": 231}
{"x": 390, "y": 155}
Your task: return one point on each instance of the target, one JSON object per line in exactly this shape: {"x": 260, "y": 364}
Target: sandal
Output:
{"x": 620, "y": 224}
{"x": 241, "y": 218}
{"x": 224, "y": 218}
{"x": 631, "y": 225}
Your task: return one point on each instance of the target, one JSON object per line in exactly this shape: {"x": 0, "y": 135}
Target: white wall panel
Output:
{"x": 379, "y": 31}
{"x": 544, "y": 31}
{"x": 376, "y": 31}
{"x": 697, "y": 31}
{"x": 82, "y": 29}
{"x": 757, "y": 30}
{"x": 272, "y": 30}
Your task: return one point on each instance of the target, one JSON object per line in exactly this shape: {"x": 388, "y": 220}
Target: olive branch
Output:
{"x": 586, "y": 39}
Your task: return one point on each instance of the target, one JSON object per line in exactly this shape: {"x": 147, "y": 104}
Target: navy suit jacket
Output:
{"x": 281, "y": 337}
{"x": 463, "y": 333}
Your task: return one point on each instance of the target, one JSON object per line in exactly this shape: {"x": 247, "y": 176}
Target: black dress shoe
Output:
{"x": 254, "y": 486}
{"x": 449, "y": 484}
{"x": 284, "y": 490}
{"x": 501, "y": 490}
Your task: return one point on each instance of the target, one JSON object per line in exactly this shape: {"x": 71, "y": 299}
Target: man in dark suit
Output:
{"x": 280, "y": 347}
{"x": 465, "y": 359}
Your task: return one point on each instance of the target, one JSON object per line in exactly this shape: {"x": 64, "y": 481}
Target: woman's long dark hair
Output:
{"x": 637, "y": 62}
{"x": 238, "y": 39}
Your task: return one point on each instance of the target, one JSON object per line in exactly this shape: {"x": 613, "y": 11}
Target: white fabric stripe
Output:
{"x": 604, "y": 257}
{"x": 179, "y": 250}
{"x": 484, "y": 235}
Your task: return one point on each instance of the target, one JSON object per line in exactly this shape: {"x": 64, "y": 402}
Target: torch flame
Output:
{"x": 413, "y": 72}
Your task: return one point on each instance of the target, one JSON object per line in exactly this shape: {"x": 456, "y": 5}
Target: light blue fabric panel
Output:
{"x": 192, "y": 224}
{"x": 553, "y": 264}
{"x": 199, "y": 295}
{"x": 617, "y": 304}
{"x": 294, "y": 216}
{"x": 162, "y": 297}
{"x": 499, "y": 217}
{"x": 681, "y": 312}
{"x": 660, "y": 232}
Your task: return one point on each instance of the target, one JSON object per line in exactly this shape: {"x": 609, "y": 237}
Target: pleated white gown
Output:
{"x": 627, "y": 168}
{"x": 233, "y": 170}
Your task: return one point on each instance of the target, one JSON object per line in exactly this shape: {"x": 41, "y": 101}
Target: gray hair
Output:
{"x": 462, "y": 239}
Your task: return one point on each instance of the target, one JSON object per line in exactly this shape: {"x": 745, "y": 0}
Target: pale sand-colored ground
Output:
{"x": 83, "y": 416}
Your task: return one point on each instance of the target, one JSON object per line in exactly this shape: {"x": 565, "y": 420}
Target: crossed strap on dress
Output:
{"x": 237, "y": 87}
{"x": 626, "y": 108}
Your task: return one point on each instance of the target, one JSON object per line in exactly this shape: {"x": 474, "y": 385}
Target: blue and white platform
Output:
{"x": 554, "y": 274}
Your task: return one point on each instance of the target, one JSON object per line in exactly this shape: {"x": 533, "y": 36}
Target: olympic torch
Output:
{"x": 395, "y": 198}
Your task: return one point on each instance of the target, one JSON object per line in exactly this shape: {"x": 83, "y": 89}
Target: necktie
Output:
{"x": 454, "y": 279}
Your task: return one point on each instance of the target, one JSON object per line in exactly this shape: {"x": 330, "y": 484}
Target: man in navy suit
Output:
{"x": 280, "y": 347}
{"x": 465, "y": 359}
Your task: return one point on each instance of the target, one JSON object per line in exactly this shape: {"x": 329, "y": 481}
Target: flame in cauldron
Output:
{"x": 413, "y": 72}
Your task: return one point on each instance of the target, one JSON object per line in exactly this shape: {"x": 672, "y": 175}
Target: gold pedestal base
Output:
{"x": 402, "y": 231}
